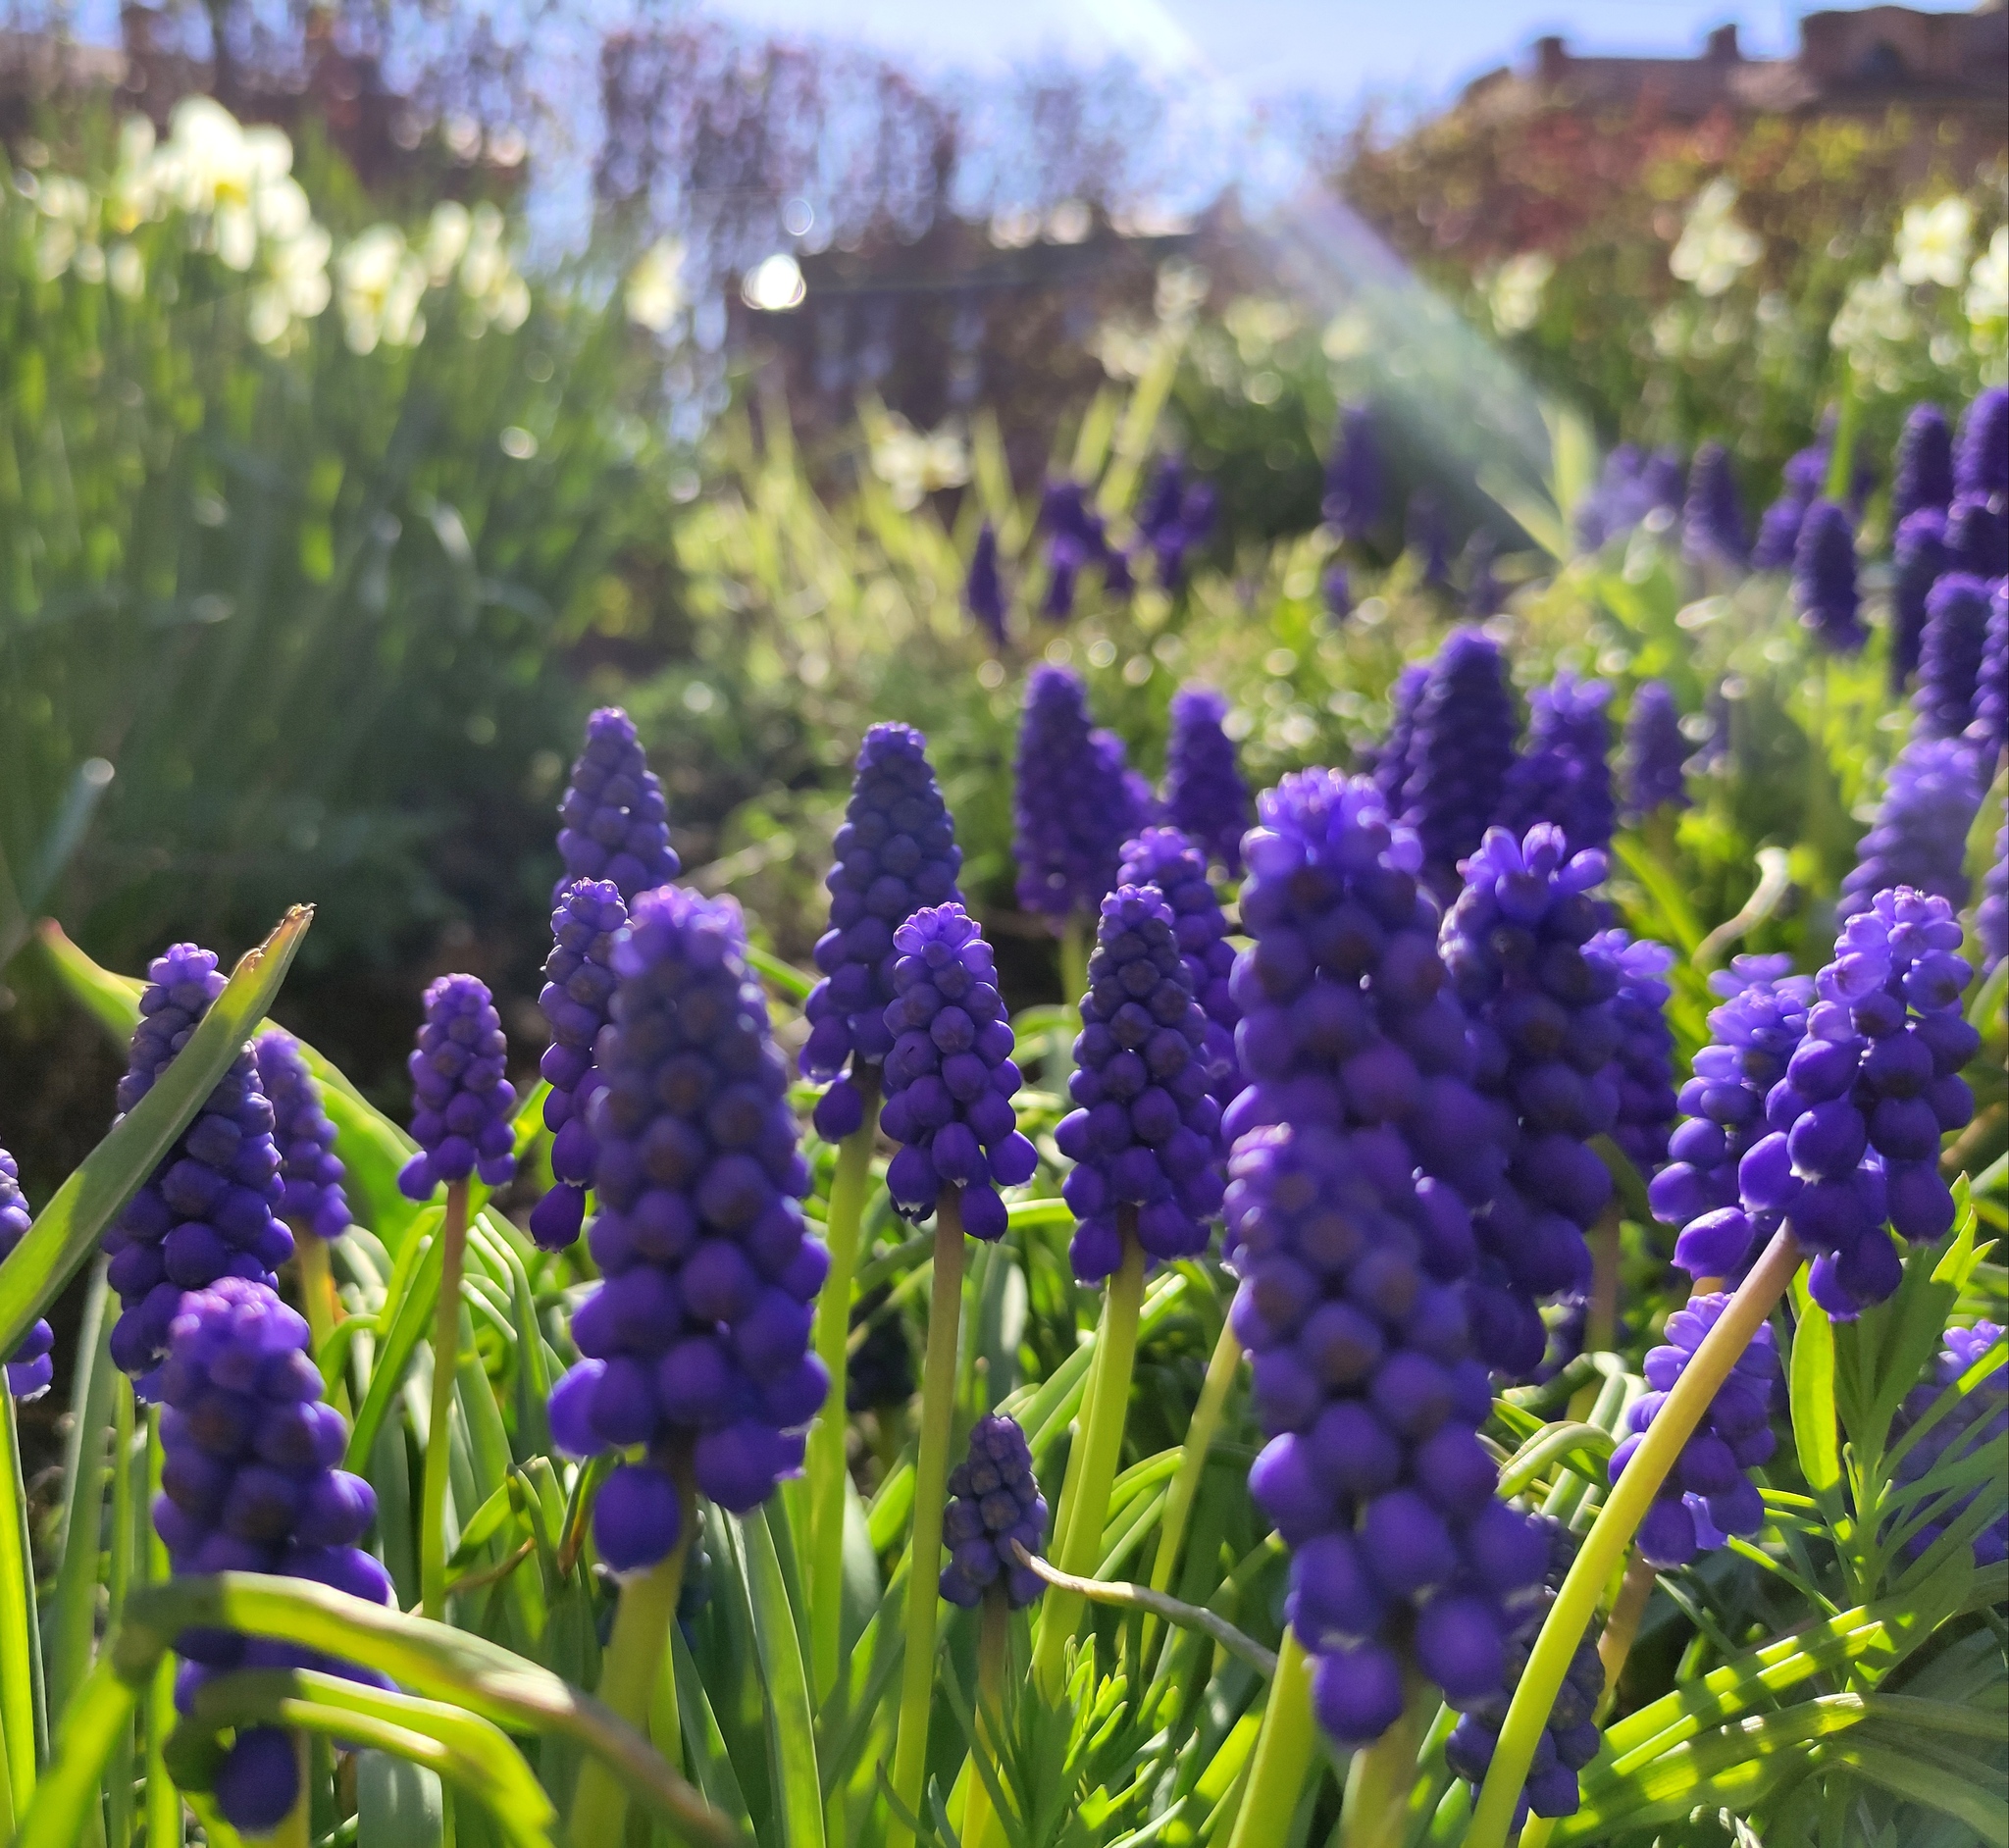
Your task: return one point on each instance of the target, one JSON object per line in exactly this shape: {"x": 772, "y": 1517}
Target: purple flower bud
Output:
{"x": 32, "y": 1367}
{"x": 1950, "y": 655}
{"x": 1991, "y": 915}
{"x": 1922, "y": 474}
{"x": 1356, "y": 488}
{"x": 994, "y": 1508}
{"x": 1643, "y": 1065}
{"x": 1918, "y": 558}
{"x": 462, "y": 1103}
{"x": 1461, "y": 749}
{"x": 1166, "y": 859}
{"x": 1075, "y": 807}
{"x": 1205, "y": 794}
{"x": 579, "y": 984}
{"x": 1977, "y": 537}
{"x": 613, "y": 819}
{"x": 1564, "y": 775}
{"x": 309, "y": 1167}
{"x": 1825, "y": 577}
{"x": 1713, "y": 516}
{"x": 983, "y": 591}
{"x": 1989, "y": 731}
{"x": 1631, "y": 488}
{"x": 1960, "y": 1431}
{"x": 1983, "y": 465}
{"x": 1656, "y": 752}
{"x": 1919, "y": 837}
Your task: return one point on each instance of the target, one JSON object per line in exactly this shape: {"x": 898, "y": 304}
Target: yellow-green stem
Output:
{"x": 931, "y": 1477}
{"x": 439, "y": 1448}
{"x": 1623, "y": 1626}
{"x": 1200, "y": 1433}
{"x": 17, "y": 1674}
{"x": 1101, "y": 1441}
{"x": 1601, "y": 1315}
{"x": 826, "y": 1459}
{"x": 1380, "y": 1779}
{"x": 1611, "y": 1535}
{"x": 1075, "y": 937}
{"x": 1285, "y": 1749}
{"x": 994, "y": 1649}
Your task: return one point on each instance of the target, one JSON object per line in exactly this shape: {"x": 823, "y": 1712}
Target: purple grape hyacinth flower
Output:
{"x": 579, "y": 983}
{"x": 1644, "y": 1065}
{"x": 1977, "y": 537}
{"x": 1918, "y": 561}
{"x": 1918, "y": 837}
{"x": 894, "y": 854}
{"x": 1857, "y": 1120}
{"x": 1960, "y": 1433}
{"x": 461, "y": 1102}
{"x": 697, "y": 1343}
{"x": 1461, "y": 750}
{"x": 1166, "y": 859}
{"x": 32, "y": 1367}
{"x": 1206, "y": 796}
{"x": 983, "y": 590}
{"x": 1656, "y": 752}
{"x": 1389, "y": 766}
{"x": 1707, "y": 1495}
{"x": 1176, "y": 518}
{"x": 206, "y": 1212}
{"x": 1981, "y": 466}
{"x": 1075, "y": 804}
{"x": 1921, "y": 475}
{"x": 1633, "y": 488}
{"x": 1989, "y": 731}
{"x": 1356, "y": 479}
{"x": 1991, "y": 915}
{"x": 949, "y": 1075}
{"x": 994, "y": 1506}
{"x": 615, "y": 821}
{"x": 1564, "y": 775}
{"x": 1145, "y": 1132}
{"x": 1337, "y": 588}
{"x": 310, "y": 1170}
{"x": 1825, "y": 577}
{"x": 249, "y": 1483}
{"x": 1950, "y": 655}
{"x": 1713, "y": 514}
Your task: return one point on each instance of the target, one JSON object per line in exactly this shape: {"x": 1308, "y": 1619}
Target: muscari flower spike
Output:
{"x": 615, "y": 817}
{"x": 1978, "y": 536}
{"x": 1713, "y": 514}
{"x": 32, "y": 1367}
{"x": 1075, "y": 804}
{"x": 462, "y": 1102}
{"x": 949, "y": 1076}
{"x": 1564, "y": 775}
{"x": 1989, "y": 731}
{"x": 1204, "y": 794}
{"x": 1707, "y": 1495}
{"x": 1950, "y": 655}
{"x": 1356, "y": 487}
{"x": 895, "y": 855}
{"x": 1918, "y": 837}
{"x": 1166, "y": 859}
{"x": 1922, "y": 473}
{"x": 1981, "y": 467}
{"x": 983, "y": 590}
{"x": 1991, "y": 915}
{"x": 1175, "y": 519}
{"x": 579, "y": 983}
{"x": 1145, "y": 1132}
{"x": 1337, "y": 588}
{"x": 206, "y": 1212}
{"x": 1656, "y": 752}
{"x": 994, "y": 1506}
{"x": 1757, "y": 1025}
{"x": 1389, "y": 765}
{"x": 310, "y": 1170}
{"x": 1857, "y": 1119}
{"x": 1632, "y": 488}
{"x": 1461, "y": 749}
{"x": 1918, "y": 559}
{"x": 697, "y": 1343}
{"x": 249, "y": 1483}
{"x": 1962, "y": 1430}
{"x": 1643, "y": 1066}
{"x": 1825, "y": 577}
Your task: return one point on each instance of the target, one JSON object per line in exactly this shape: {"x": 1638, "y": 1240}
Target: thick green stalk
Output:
{"x": 931, "y": 1478}
{"x": 1285, "y": 1750}
{"x": 20, "y": 1676}
{"x": 1075, "y": 937}
{"x": 1200, "y": 1433}
{"x": 1083, "y": 1510}
{"x": 317, "y": 1287}
{"x": 980, "y": 1828}
{"x": 1381, "y": 1777}
{"x": 1611, "y": 1535}
{"x": 825, "y": 1459}
{"x": 439, "y": 1444}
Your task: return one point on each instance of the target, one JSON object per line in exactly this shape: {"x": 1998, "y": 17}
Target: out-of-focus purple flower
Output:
{"x": 1167, "y": 860}
{"x": 462, "y": 1102}
{"x": 1950, "y": 655}
{"x": 1918, "y": 559}
{"x": 1656, "y": 752}
{"x": 1959, "y": 1433}
{"x": 1389, "y": 764}
{"x": 1075, "y": 805}
{"x": 696, "y": 1342}
{"x": 1713, "y": 516}
{"x": 1356, "y": 477}
{"x": 1977, "y": 537}
{"x": 1176, "y": 518}
{"x": 1921, "y": 475}
{"x": 1981, "y": 467}
{"x": 1145, "y": 1132}
{"x": 1564, "y": 775}
{"x": 1989, "y": 731}
{"x": 1428, "y": 538}
{"x": 310, "y": 1170}
{"x": 30, "y": 1368}
{"x": 1778, "y": 532}
{"x": 949, "y": 1076}
{"x": 994, "y": 1506}
{"x": 1461, "y": 749}
{"x": 1336, "y": 586}
{"x": 579, "y": 986}
{"x": 1643, "y": 1066}
{"x": 1206, "y": 796}
{"x": 983, "y": 590}
{"x": 1825, "y": 577}
{"x": 1919, "y": 837}
{"x": 1632, "y": 488}
{"x": 614, "y": 819}
{"x": 1991, "y": 915}
{"x": 1077, "y": 540}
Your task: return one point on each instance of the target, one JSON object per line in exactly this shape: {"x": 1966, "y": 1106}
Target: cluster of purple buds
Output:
{"x": 1919, "y": 560}
{"x": 1977, "y": 537}
{"x": 1825, "y": 577}
{"x": 1857, "y": 1119}
{"x": 1522, "y": 947}
{"x": 1461, "y": 749}
{"x": 1175, "y": 519}
{"x": 697, "y": 1343}
{"x": 30, "y": 1368}
{"x": 1706, "y": 1495}
{"x": 310, "y": 1170}
{"x": 1075, "y": 802}
{"x": 1337, "y": 588}
{"x": 463, "y": 1104}
{"x": 205, "y": 1213}
{"x": 949, "y": 1075}
{"x": 615, "y": 821}
{"x": 895, "y": 855}
{"x": 1206, "y": 796}
{"x": 579, "y": 984}
{"x": 249, "y": 1484}
{"x": 994, "y": 1506}
{"x": 1656, "y": 752}
{"x": 983, "y": 590}
{"x": 1991, "y": 915}
{"x": 1367, "y": 1387}
{"x": 1389, "y": 764}
{"x": 1961, "y": 1431}
{"x": 1077, "y": 540}
{"x": 1922, "y": 473}
{"x": 1564, "y": 776}
{"x": 1632, "y": 488}
{"x": 1805, "y": 476}
{"x": 1713, "y": 514}
{"x": 1989, "y": 730}
{"x": 1166, "y": 859}
{"x": 1644, "y": 1063}
{"x": 1356, "y": 477}
{"x": 1145, "y": 1133}
{"x": 1756, "y": 1027}
{"x": 1981, "y": 464}
{"x": 1950, "y": 654}
{"x": 1918, "y": 837}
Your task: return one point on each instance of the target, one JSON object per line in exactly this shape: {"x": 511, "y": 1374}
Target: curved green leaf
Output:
{"x": 790, "y": 1720}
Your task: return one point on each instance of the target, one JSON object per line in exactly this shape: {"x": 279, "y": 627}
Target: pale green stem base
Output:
{"x": 826, "y": 1464}
{"x": 1075, "y": 937}
{"x": 931, "y": 1478}
{"x": 1380, "y": 1779}
{"x": 980, "y": 1826}
{"x": 439, "y": 1446}
{"x": 1199, "y": 1434}
{"x": 1610, "y": 1535}
{"x": 1285, "y": 1749}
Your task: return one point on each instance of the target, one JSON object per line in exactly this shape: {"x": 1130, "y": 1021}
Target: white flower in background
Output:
{"x": 1934, "y": 242}
{"x": 1987, "y": 290}
{"x": 126, "y": 271}
{"x": 296, "y": 287}
{"x": 914, "y": 463}
{"x": 497, "y": 295}
{"x": 1877, "y": 328}
{"x": 654, "y": 290}
{"x": 1714, "y": 248}
{"x": 67, "y": 210}
{"x": 774, "y": 284}
{"x": 380, "y": 282}
{"x": 1514, "y": 293}
{"x": 447, "y": 235}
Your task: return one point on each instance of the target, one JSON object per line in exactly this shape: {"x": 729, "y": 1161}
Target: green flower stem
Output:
{"x": 1075, "y": 937}
{"x": 630, "y": 1671}
{"x": 931, "y": 1478}
{"x": 1621, "y": 1627}
{"x": 1199, "y": 1434}
{"x": 980, "y": 1828}
{"x": 1286, "y": 1748}
{"x": 1381, "y": 1777}
{"x": 825, "y": 1459}
{"x": 317, "y": 1287}
{"x": 1610, "y": 1535}
{"x": 16, "y": 1626}
{"x": 439, "y": 1444}
{"x": 1085, "y": 1507}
